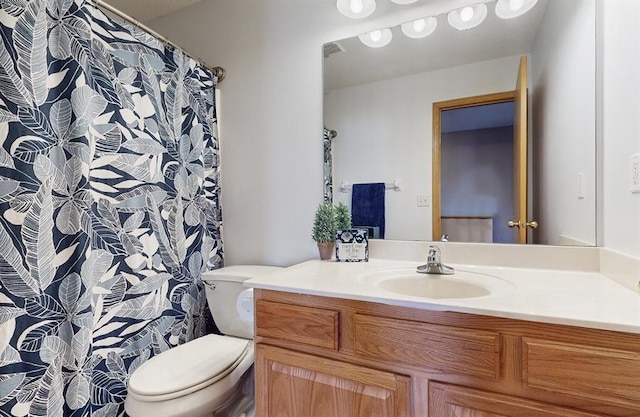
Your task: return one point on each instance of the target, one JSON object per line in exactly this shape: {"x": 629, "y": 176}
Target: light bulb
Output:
{"x": 356, "y": 6}
{"x": 509, "y": 9}
{"x": 419, "y": 25}
{"x": 466, "y": 14}
{"x": 356, "y": 9}
{"x": 468, "y": 17}
{"x": 419, "y": 28}
{"x": 516, "y": 5}
{"x": 376, "y": 38}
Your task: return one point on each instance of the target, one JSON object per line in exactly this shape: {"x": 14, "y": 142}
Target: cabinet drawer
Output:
{"x": 430, "y": 346}
{"x": 308, "y": 325}
{"x": 607, "y": 375}
{"x": 452, "y": 400}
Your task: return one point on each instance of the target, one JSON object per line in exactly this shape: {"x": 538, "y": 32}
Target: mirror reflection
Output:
{"x": 432, "y": 124}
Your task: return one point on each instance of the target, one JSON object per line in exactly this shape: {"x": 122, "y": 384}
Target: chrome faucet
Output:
{"x": 434, "y": 264}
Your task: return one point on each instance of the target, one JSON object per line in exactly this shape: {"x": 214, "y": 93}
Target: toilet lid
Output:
{"x": 207, "y": 358}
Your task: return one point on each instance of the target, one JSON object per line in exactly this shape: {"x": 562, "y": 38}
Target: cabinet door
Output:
{"x": 293, "y": 384}
{"x": 455, "y": 401}
{"x": 610, "y": 376}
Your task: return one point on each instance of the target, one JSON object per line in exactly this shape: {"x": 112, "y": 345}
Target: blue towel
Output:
{"x": 367, "y": 206}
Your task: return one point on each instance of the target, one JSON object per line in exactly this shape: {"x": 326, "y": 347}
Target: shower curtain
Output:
{"x": 327, "y": 165}
{"x": 109, "y": 206}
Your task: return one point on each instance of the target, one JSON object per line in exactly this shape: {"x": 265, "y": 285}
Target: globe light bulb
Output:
{"x": 356, "y": 9}
{"x": 509, "y": 9}
{"x": 468, "y": 17}
{"x": 376, "y": 38}
{"x": 516, "y": 5}
{"x": 419, "y": 28}
{"x": 466, "y": 14}
{"x": 419, "y": 25}
{"x": 356, "y": 6}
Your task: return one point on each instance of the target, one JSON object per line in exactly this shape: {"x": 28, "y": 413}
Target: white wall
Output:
{"x": 271, "y": 121}
{"x": 385, "y": 134}
{"x": 563, "y": 140}
{"x": 621, "y": 120}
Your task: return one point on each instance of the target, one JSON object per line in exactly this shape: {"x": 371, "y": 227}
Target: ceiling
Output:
{"x": 146, "y": 10}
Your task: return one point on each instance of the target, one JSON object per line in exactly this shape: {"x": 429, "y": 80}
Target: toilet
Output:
{"x": 212, "y": 375}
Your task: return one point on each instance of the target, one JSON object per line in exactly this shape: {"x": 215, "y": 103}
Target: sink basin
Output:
{"x": 463, "y": 284}
{"x": 433, "y": 288}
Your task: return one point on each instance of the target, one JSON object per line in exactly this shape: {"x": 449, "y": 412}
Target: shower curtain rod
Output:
{"x": 217, "y": 71}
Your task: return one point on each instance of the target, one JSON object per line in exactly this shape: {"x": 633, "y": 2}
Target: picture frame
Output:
{"x": 352, "y": 245}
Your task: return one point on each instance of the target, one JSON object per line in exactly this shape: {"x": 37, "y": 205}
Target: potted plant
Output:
{"x": 324, "y": 229}
{"x": 343, "y": 217}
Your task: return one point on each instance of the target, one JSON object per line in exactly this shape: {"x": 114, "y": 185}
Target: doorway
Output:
{"x": 473, "y": 168}
{"x": 520, "y": 222}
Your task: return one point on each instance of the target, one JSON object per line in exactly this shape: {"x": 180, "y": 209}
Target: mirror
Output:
{"x": 379, "y": 116}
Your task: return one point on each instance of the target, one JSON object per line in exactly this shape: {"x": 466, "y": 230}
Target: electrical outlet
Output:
{"x": 634, "y": 174}
{"x": 424, "y": 200}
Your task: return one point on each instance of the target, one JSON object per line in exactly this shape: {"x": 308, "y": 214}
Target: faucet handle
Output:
{"x": 434, "y": 255}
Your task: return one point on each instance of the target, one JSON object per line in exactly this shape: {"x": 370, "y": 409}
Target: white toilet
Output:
{"x": 211, "y": 375}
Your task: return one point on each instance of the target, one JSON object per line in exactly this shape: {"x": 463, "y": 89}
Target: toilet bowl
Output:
{"x": 209, "y": 376}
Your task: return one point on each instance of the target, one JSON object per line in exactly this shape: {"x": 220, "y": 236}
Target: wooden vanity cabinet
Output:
{"x": 327, "y": 357}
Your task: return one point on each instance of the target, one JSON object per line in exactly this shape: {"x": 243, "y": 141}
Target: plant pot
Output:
{"x": 326, "y": 250}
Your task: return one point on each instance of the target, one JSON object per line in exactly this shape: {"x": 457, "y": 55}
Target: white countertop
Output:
{"x": 577, "y": 298}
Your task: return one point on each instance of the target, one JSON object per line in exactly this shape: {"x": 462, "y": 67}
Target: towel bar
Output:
{"x": 345, "y": 187}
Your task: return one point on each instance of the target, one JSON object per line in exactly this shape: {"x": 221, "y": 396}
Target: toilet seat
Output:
{"x": 187, "y": 368}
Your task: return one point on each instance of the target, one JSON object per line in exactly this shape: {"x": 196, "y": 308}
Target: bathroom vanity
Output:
{"x": 329, "y": 349}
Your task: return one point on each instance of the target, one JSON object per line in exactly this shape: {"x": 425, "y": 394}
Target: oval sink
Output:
{"x": 439, "y": 287}
{"x": 462, "y": 284}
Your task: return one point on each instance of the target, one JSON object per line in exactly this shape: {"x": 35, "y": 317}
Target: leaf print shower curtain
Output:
{"x": 328, "y": 164}
{"x": 108, "y": 205}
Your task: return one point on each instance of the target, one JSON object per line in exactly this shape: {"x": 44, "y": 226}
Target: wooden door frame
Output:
{"x": 521, "y": 154}
{"x": 438, "y": 108}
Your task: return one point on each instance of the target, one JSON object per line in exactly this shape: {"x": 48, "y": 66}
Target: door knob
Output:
{"x": 513, "y": 223}
{"x": 533, "y": 224}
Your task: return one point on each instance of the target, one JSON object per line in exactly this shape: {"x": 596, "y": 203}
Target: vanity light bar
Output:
{"x": 462, "y": 19}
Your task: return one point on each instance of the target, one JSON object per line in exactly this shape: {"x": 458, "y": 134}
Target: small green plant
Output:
{"x": 343, "y": 216}
{"x": 325, "y": 224}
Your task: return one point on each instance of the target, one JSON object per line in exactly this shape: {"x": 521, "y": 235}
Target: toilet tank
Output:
{"x": 223, "y": 286}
